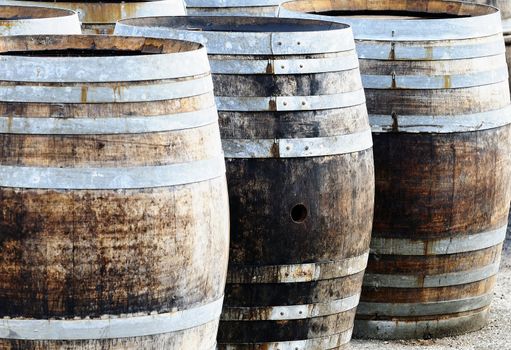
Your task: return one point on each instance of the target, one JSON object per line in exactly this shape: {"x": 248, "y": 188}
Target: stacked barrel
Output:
{"x": 99, "y": 17}
{"x": 435, "y": 77}
{"x": 300, "y": 171}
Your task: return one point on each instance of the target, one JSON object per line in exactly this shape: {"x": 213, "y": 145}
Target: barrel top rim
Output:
{"x": 490, "y": 10}
{"x": 248, "y": 25}
{"x": 21, "y": 45}
{"x": 33, "y": 13}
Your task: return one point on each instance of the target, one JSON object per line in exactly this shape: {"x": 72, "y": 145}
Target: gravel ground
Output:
{"x": 496, "y": 336}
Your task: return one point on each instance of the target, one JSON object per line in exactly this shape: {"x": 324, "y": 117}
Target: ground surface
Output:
{"x": 496, "y": 336}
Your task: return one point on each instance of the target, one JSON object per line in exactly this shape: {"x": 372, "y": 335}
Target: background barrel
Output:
{"x": 25, "y": 20}
{"x": 437, "y": 92}
{"x": 114, "y": 220}
{"x": 99, "y": 17}
{"x": 300, "y": 173}
{"x": 264, "y": 8}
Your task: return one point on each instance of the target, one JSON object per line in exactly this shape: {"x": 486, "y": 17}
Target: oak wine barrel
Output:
{"x": 99, "y": 17}
{"x": 300, "y": 174}
{"x": 436, "y": 82}
{"x": 26, "y": 20}
{"x": 114, "y": 221}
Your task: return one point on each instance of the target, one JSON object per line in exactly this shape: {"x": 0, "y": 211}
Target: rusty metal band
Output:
{"x": 111, "y": 12}
{"x": 290, "y": 103}
{"x": 282, "y": 66}
{"x": 403, "y": 329}
{"x": 383, "y": 50}
{"x": 63, "y": 25}
{"x": 88, "y": 93}
{"x": 431, "y": 281}
{"x": 251, "y": 43}
{"x": 104, "y": 69}
{"x": 424, "y": 309}
{"x": 299, "y": 147}
{"x": 452, "y": 245}
{"x": 459, "y": 28}
{"x": 108, "y": 125}
{"x": 110, "y": 327}
{"x": 328, "y": 342}
{"x": 442, "y": 123}
{"x": 290, "y": 312}
{"x": 111, "y": 178}
{"x": 429, "y": 82}
{"x": 297, "y": 273}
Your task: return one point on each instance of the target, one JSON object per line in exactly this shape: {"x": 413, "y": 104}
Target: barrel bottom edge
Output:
{"x": 402, "y": 329}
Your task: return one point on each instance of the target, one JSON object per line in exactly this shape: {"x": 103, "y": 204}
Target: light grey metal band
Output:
{"x": 297, "y": 148}
{"x": 111, "y": 178}
{"x": 290, "y": 103}
{"x": 109, "y": 125}
{"x": 61, "y": 25}
{"x": 413, "y": 30}
{"x": 297, "y": 273}
{"x": 328, "y": 342}
{"x": 104, "y": 69}
{"x": 291, "y": 312}
{"x": 441, "y": 124}
{"x": 453, "y": 245}
{"x": 432, "y": 281}
{"x": 281, "y": 67}
{"x": 426, "y": 309}
{"x": 428, "y": 82}
{"x": 385, "y": 50}
{"x": 109, "y": 327}
{"x": 231, "y": 3}
{"x": 252, "y": 43}
{"x": 163, "y": 90}
{"x": 409, "y": 329}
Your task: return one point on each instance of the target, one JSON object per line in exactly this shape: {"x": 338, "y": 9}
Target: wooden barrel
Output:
{"x": 99, "y": 17}
{"x": 437, "y": 92}
{"x": 26, "y": 20}
{"x": 300, "y": 173}
{"x": 264, "y": 8}
{"x": 114, "y": 220}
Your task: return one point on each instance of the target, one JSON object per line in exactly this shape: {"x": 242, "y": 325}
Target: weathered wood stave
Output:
{"x": 124, "y": 223}
{"x": 26, "y": 20}
{"x": 438, "y": 105}
{"x": 296, "y": 283}
{"x": 99, "y": 17}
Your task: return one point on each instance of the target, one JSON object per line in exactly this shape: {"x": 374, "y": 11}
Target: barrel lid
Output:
{"x": 237, "y": 35}
{"x": 398, "y": 20}
{"x": 232, "y": 3}
{"x": 97, "y": 58}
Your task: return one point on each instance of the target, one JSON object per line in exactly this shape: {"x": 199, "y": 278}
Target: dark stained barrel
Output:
{"x": 300, "y": 173}
{"x": 437, "y": 92}
{"x": 264, "y": 8}
{"x": 26, "y": 20}
{"x": 114, "y": 221}
{"x": 99, "y": 17}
